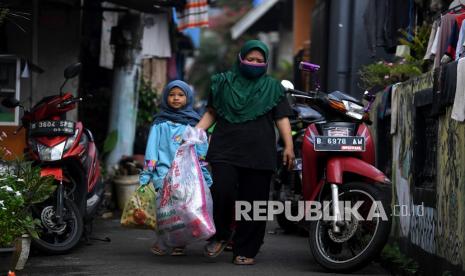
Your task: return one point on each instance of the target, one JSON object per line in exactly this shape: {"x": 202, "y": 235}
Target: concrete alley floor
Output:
{"x": 128, "y": 254}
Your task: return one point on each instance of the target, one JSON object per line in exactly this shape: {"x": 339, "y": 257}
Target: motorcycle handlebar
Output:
{"x": 296, "y": 92}
{"x": 70, "y": 101}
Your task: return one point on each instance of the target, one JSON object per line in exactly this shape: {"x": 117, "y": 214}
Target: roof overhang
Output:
{"x": 251, "y": 17}
{"x": 147, "y": 6}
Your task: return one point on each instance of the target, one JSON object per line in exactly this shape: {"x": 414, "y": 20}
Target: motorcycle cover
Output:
{"x": 139, "y": 211}
{"x": 184, "y": 206}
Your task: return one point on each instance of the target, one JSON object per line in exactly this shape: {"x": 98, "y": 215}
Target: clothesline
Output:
{"x": 446, "y": 42}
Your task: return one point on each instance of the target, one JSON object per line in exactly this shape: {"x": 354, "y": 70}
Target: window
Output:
{"x": 10, "y": 68}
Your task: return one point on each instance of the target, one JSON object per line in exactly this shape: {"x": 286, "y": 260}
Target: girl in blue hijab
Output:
{"x": 165, "y": 137}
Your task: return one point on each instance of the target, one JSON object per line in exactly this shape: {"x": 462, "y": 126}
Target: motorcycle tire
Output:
{"x": 325, "y": 244}
{"x": 74, "y": 227}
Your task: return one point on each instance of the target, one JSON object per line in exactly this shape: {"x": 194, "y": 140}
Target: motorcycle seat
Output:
{"x": 343, "y": 96}
{"x": 305, "y": 112}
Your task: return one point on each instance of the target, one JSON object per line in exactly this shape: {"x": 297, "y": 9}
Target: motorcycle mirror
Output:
{"x": 72, "y": 70}
{"x": 367, "y": 96}
{"x": 287, "y": 84}
{"x": 10, "y": 102}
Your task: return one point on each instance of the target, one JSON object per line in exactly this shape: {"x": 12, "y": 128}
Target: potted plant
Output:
{"x": 126, "y": 179}
{"x": 21, "y": 186}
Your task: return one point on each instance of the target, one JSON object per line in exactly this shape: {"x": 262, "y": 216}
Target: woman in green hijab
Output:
{"x": 246, "y": 105}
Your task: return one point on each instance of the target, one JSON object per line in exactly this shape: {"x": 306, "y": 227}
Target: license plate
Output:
{"x": 341, "y": 143}
{"x": 52, "y": 128}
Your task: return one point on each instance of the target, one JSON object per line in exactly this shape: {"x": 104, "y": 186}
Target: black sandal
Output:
{"x": 215, "y": 248}
{"x": 241, "y": 260}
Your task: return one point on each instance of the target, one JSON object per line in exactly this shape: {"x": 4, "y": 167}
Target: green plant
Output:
{"x": 392, "y": 254}
{"x": 110, "y": 142}
{"x": 21, "y": 186}
{"x": 18, "y": 192}
{"x": 147, "y": 104}
{"x": 418, "y": 43}
{"x": 383, "y": 73}
{"x": 7, "y": 14}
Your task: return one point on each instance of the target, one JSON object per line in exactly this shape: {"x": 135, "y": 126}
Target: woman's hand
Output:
{"x": 284, "y": 128}
{"x": 207, "y": 119}
{"x": 288, "y": 157}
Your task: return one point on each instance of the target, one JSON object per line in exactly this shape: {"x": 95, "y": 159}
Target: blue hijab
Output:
{"x": 186, "y": 115}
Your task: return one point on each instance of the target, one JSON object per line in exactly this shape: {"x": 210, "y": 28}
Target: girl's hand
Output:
{"x": 288, "y": 157}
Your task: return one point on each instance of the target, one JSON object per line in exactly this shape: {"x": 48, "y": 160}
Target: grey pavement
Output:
{"x": 128, "y": 254}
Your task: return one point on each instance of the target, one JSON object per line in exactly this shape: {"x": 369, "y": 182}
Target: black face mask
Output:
{"x": 252, "y": 70}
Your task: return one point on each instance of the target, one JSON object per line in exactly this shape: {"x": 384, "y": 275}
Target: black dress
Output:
{"x": 243, "y": 157}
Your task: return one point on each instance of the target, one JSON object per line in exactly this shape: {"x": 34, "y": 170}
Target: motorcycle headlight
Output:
{"x": 51, "y": 154}
{"x": 70, "y": 141}
{"x": 354, "y": 110}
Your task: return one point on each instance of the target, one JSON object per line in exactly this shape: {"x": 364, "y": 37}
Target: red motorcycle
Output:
{"x": 338, "y": 158}
{"x": 65, "y": 150}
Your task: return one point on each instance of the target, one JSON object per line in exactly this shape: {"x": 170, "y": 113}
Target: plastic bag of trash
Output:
{"x": 184, "y": 205}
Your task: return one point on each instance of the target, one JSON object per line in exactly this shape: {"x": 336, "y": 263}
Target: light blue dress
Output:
{"x": 164, "y": 139}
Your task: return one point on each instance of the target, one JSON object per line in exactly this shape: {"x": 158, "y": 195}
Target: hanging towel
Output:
{"x": 194, "y": 14}
{"x": 458, "y": 110}
{"x": 432, "y": 37}
{"x": 394, "y": 108}
{"x": 156, "y": 39}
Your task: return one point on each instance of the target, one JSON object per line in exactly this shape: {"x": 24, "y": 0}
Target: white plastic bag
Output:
{"x": 184, "y": 205}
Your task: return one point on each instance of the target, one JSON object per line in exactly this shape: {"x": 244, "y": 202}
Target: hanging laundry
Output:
{"x": 432, "y": 36}
{"x": 454, "y": 36}
{"x": 383, "y": 19}
{"x": 458, "y": 110}
{"x": 460, "y": 48}
{"x": 447, "y": 81}
{"x": 107, "y": 50}
{"x": 194, "y": 14}
{"x": 394, "y": 107}
{"x": 447, "y": 23}
{"x": 172, "y": 70}
{"x": 156, "y": 39}
{"x": 154, "y": 71}
{"x": 384, "y": 108}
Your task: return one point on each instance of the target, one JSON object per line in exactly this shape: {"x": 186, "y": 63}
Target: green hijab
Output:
{"x": 237, "y": 98}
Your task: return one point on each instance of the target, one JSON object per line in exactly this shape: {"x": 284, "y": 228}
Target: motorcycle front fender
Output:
{"x": 337, "y": 166}
{"x": 56, "y": 172}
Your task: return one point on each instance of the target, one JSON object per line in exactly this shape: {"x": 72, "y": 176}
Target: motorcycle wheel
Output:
{"x": 54, "y": 238}
{"x": 359, "y": 241}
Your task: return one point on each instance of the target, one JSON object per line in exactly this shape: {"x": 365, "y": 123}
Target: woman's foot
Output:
{"x": 178, "y": 251}
{"x": 229, "y": 246}
{"x": 157, "y": 250}
{"x": 215, "y": 248}
{"x": 241, "y": 260}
